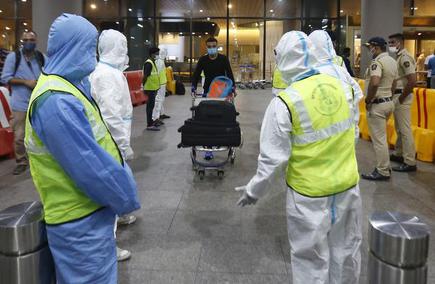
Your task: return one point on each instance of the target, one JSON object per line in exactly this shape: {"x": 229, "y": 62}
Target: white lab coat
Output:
{"x": 110, "y": 90}
{"x": 324, "y": 233}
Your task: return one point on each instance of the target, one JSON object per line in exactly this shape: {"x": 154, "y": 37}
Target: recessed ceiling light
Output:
{"x": 117, "y": 23}
{"x": 140, "y": 19}
{"x": 26, "y": 30}
{"x": 25, "y": 23}
{"x": 168, "y": 33}
{"x": 271, "y": 10}
{"x": 140, "y": 26}
{"x": 7, "y": 28}
{"x": 130, "y": 9}
{"x": 201, "y": 11}
{"x": 206, "y": 33}
{"x": 1, "y": 11}
{"x": 93, "y": 6}
{"x": 199, "y": 36}
{"x": 208, "y": 19}
{"x": 23, "y": 0}
{"x": 341, "y": 11}
{"x": 419, "y": 34}
{"x": 230, "y": 6}
{"x": 3, "y": 35}
{"x": 132, "y": 37}
{"x": 193, "y": 33}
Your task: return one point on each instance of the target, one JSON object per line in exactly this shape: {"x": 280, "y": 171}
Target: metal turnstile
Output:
{"x": 399, "y": 246}
{"x": 24, "y": 254}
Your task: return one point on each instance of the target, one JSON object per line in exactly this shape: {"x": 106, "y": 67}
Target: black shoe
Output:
{"x": 164, "y": 116}
{"x": 394, "y": 158}
{"x": 158, "y": 123}
{"x": 19, "y": 169}
{"x": 375, "y": 175}
{"x": 405, "y": 168}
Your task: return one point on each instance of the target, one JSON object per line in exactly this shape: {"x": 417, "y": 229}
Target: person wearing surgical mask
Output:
{"x": 151, "y": 85}
{"x": 380, "y": 78}
{"x": 76, "y": 165}
{"x": 213, "y": 64}
{"x": 109, "y": 88}
{"x": 21, "y": 71}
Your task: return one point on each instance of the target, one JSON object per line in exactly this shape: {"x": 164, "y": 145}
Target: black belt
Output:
{"x": 382, "y": 100}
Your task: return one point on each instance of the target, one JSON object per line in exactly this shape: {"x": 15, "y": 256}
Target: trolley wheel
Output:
{"x": 220, "y": 174}
{"x": 201, "y": 174}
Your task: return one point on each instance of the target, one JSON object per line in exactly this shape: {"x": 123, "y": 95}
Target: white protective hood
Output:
{"x": 323, "y": 47}
{"x": 112, "y": 49}
{"x": 294, "y": 56}
{"x": 163, "y": 53}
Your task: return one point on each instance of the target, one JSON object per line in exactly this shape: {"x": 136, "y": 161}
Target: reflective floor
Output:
{"x": 190, "y": 230}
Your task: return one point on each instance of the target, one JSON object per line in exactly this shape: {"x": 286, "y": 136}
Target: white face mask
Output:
{"x": 392, "y": 49}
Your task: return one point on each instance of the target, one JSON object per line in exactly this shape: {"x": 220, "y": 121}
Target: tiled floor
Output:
{"x": 190, "y": 230}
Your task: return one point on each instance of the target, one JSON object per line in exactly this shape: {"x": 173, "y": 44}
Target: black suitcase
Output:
{"x": 215, "y": 112}
{"x": 179, "y": 88}
{"x": 198, "y": 133}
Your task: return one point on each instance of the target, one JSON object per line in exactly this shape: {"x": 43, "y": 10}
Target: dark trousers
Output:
{"x": 428, "y": 85}
{"x": 150, "y": 106}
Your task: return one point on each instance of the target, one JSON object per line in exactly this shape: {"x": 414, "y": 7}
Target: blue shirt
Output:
{"x": 20, "y": 93}
{"x": 431, "y": 65}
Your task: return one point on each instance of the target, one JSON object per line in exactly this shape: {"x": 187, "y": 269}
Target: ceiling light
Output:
{"x": 140, "y": 26}
{"x": 3, "y": 35}
{"x": 117, "y": 23}
{"x": 199, "y": 36}
{"x": 208, "y": 19}
{"x": 256, "y": 24}
{"x": 130, "y": 9}
{"x": 93, "y": 6}
{"x": 230, "y": 6}
{"x": 201, "y": 11}
{"x": 26, "y": 30}
{"x": 147, "y": 41}
{"x": 212, "y": 25}
{"x": 1, "y": 11}
{"x": 23, "y": 0}
{"x": 25, "y": 23}
{"x": 341, "y": 11}
{"x": 415, "y": 8}
{"x": 193, "y": 33}
{"x": 149, "y": 19}
{"x": 271, "y": 10}
{"x": 140, "y": 19}
{"x": 7, "y": 28}
{"x": 180, "y": 34}
{"x": 132, "y": 37}
{"x": 419, "y": 34}
{"x": 168, "y": 33}
{"x": 206, "y": 33}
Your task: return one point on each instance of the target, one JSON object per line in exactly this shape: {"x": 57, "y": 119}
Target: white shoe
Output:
{"x": 126, "y": 220}
{"x": 122, "y": 254}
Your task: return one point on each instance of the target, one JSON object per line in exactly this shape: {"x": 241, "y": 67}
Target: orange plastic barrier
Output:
{"x": 422, "y": 123}
{"x": 134, "y": 80}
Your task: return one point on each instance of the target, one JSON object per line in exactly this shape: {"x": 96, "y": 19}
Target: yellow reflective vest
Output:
{"x": 62, "y": 200}
{"x": 277, "y": 81}
{"x": 153, "y": 81}
{"x": 322, "y": 161}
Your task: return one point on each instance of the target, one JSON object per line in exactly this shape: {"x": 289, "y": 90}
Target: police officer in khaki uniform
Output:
{"x": 405, "y": 148}
{"x": 380, "y": 77}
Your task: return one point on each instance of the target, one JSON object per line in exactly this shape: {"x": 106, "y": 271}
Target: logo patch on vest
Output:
{"x": 327, "y": 99}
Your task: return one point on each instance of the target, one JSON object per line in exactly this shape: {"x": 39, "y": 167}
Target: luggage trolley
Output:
{"x": 218, "y": 92}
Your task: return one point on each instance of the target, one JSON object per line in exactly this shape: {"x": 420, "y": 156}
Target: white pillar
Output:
{"x": 44, "y": 12}
{"x": 379, "y": 18}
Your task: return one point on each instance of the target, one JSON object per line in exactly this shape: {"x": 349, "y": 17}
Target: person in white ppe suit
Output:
{"x": 310, "y": 127}
{"x": 158, "y": 111}
{"x": 327, "y": 64}
{"x": 109, "y": 88}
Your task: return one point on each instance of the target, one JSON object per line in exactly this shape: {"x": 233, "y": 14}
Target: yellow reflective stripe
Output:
{"x": 299, "y": 106}
{"x": 322, "y": 134}
{"x": 33, "y": 147}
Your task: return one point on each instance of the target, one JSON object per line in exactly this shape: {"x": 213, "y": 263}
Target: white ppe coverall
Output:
{"x": 110, "y": 90}
{"x": 325, "y": 53}
{"x": 324, "y": 233}
{"x": 161, "y": 93}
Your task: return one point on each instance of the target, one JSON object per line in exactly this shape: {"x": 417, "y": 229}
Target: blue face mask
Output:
{"x": 29, "y": 46}
{"x": 212, "y": 51}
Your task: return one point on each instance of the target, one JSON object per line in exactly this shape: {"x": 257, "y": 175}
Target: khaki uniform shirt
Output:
{"x": 385, "y": 67}
{"x": 406, "y": 66}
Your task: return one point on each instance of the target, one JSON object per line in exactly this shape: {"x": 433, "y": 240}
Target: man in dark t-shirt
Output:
{"x": 213, "y": 64}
